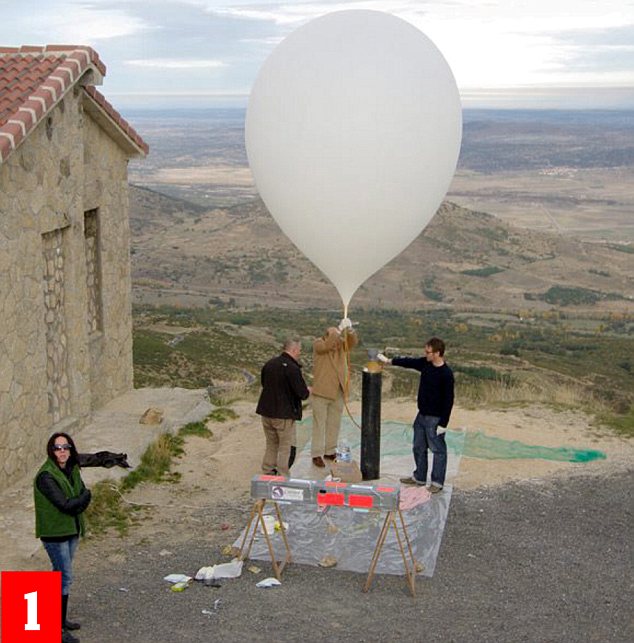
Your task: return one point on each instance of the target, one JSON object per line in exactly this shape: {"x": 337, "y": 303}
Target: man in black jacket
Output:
{"x": 280, "y": 405}
{"x": 435, "y": 401}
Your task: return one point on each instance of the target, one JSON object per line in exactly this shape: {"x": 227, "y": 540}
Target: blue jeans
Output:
{"x": 61, "y": 555}
{"x": 426, "y": 438}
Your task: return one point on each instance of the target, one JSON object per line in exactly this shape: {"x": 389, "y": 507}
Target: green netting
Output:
{"x": 485, "y": 447}
{"x": 396, "y": 440}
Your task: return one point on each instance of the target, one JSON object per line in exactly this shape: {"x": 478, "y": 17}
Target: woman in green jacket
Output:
{"x": 60, "y": 501}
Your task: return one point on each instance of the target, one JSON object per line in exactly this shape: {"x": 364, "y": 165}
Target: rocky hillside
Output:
{"x": 185, "y": 254}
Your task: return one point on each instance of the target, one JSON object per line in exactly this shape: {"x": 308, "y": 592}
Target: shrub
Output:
{"x": 482, "y": 272}
{"x": 510, "y": 349}
{"x": 483, "y": 373}
{"x": 568, "y": 296}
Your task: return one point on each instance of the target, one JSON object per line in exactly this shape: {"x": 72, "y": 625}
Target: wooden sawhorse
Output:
{"x": 325, "y": 494}
{"x": 410, "y": 571}
{"x": 257, "y": 518}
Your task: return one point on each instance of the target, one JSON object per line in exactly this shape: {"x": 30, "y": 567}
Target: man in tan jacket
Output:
{"x": 330, "y": 383}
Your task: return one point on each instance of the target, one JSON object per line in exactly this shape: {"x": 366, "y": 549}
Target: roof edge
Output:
{"x": 31, "y": 50}
{"x": 76, "y": 61}
{"x": 115, "y": 118}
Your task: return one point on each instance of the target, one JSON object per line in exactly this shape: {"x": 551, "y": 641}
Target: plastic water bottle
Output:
{"x": 344, "y": 454}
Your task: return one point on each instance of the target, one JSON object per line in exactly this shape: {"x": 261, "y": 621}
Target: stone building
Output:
{"x": 65, "y": 308}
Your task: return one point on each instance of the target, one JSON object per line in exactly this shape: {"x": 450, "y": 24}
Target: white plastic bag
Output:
{"x": 268, "y": 582}
{"x": 228, "y": 570}
{"x": 177, "y": 578}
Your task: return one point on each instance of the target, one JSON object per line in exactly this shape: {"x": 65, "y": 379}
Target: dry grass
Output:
{"x": 226, "y": 395}
{"x": 534, "y": 389}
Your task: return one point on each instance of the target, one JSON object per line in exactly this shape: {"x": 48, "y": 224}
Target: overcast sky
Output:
{"x": 534, "y": 53}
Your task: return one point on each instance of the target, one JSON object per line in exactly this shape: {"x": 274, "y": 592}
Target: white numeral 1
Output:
{"x": 31, "y": 612}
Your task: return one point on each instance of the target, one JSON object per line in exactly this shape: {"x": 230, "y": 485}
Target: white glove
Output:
{"x": 343, "y": 324}
{"x": 383, "y": 359}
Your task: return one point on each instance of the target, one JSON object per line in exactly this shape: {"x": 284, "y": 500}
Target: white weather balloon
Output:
{"x": 353, "y": 132}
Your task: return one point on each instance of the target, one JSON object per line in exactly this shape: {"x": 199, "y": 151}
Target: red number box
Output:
{"x": 31, "y": 607}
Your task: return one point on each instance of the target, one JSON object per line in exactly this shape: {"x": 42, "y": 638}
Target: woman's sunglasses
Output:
{"x": 62, "y": 447}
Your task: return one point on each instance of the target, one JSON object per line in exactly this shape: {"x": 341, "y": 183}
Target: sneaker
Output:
{"x": 70, "y": 625}
{"x": 318, "y": 462}
{"x": 412, "y": 480}
{"x": 435, "y": 488}
{"x": 330, "y": 457}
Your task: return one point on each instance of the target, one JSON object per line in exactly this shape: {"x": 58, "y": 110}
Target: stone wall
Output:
{"x": 106, "y": 192}
{"x": 66, "y": 342}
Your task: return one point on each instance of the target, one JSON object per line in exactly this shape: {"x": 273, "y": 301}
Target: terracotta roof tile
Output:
{"x": 33, "y": 79}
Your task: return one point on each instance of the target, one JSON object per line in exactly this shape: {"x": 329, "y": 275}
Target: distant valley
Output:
{"x": 560, "y": 184}
{"x": 567, "y": 172}
{"x": 187, "y": 255}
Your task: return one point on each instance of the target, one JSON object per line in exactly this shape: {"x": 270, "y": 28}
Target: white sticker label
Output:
{"x": 284, "y": 493}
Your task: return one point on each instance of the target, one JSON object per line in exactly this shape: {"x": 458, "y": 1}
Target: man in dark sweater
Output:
{"x": 435, "y": 401}
{"x": 280, "y": 405}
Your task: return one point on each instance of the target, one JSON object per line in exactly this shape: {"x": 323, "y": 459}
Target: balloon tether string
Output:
{"x": 348, "y": 366}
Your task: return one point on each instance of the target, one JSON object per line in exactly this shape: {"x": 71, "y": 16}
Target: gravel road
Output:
{"x": 535, "y": 561}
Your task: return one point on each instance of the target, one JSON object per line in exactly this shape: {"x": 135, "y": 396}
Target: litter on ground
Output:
{"x": 268, "y": 582}
{"x": 177, "y": 578}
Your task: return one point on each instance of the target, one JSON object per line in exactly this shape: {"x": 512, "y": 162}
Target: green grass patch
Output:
{"x": 155, "y": 462}
{"x": 623, "y": 424}
{"x": 195, "y": 428}
{"x": 222, "y": 414}
{"x": 107, "y": 511}
{"x": 150, "y": 348}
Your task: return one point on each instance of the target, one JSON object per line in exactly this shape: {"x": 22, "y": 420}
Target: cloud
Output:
{"x": 294, "y": 13}
{"x": 495, "y": 43}
{"x": 72, "y": 23}
{"x": 601, "y": 53}
{"x": 219, "y": 45}
{"x": 175, "y": 63}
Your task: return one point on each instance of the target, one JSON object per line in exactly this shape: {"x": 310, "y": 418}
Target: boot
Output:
{"x": 67, "y": 637}
{"x": 66, "y": 624}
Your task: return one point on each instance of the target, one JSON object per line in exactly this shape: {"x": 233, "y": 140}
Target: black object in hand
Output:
{"x": 108, "y": 459}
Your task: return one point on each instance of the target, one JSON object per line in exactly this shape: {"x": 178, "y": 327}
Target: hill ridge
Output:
{"x": 187, "y": 254}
